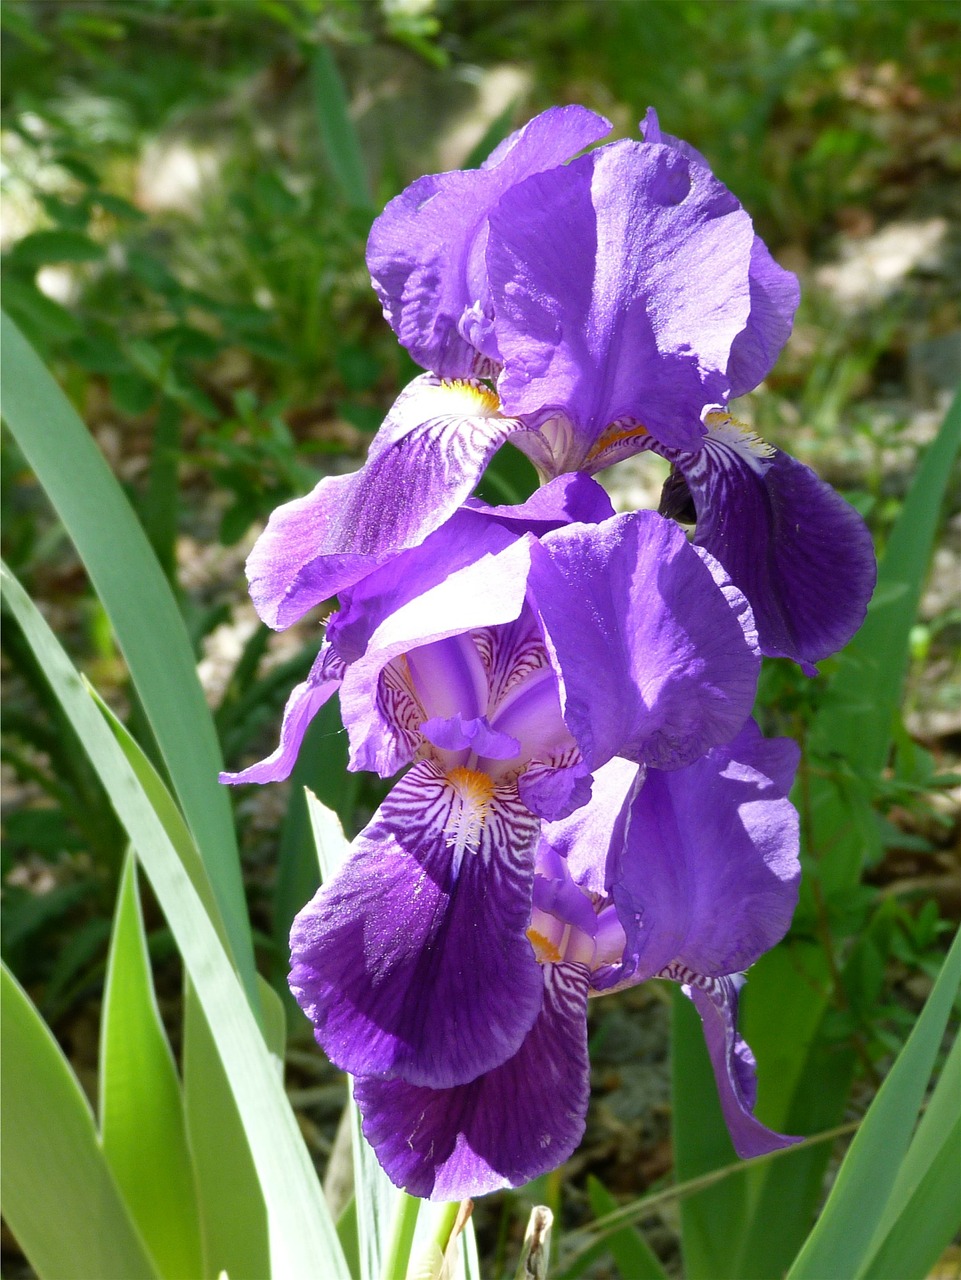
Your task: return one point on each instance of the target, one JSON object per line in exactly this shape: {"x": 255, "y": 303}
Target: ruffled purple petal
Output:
{"x": 396, "y": 587}
{"x": 553, "y": 790}
{"x": 426, "y": 250}
{"x": 473, "y": 534}
{"x": 801, "y": 554}
{"x": 402, "y": 961}
{"x": 652, "y": 133}
{"x": 716, "y": 1001}
{"x": 423, "y": 463}
{"x": 707, "y": 876}
{"x": 323, "y": 681}
{"x": 651, "y": 657}
{"x": 556, "y": 894}
{"x": 775, "y": 292}
{"x": 620, "y": 283}
{"x": 502, "y": 1129}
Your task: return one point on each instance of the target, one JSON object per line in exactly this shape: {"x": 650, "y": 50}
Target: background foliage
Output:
{"x": 188, "y": 190}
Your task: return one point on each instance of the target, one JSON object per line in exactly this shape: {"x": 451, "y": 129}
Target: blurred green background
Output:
{"x": 188, "y": 187}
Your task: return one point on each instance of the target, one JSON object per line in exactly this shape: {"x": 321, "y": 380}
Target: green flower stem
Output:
{"x": 446, "y": 1224}
{"x": 402, "y": 1237}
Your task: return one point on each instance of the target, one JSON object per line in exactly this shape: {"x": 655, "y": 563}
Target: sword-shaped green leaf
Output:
{"x": 59, "y": 1196}
{"x": 141, "y": 1108}
{"x": 301, "y": 1235}
{"x": 137, "y": 597}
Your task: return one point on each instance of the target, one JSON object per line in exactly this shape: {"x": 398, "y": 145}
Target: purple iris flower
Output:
{"x": 505, "y": 660}
{"x": 615, "y": 304}
{"x": 705, "y": 870}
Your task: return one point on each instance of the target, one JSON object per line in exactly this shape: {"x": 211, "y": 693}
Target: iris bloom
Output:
{"x": 511, "y": 656}
{"x": 584, "y": 311}
{"x": 705, "y": 870}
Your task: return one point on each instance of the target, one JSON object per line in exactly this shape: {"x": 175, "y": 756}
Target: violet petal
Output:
{"x": 733, "y": 1062}
{"x": 323, "y": 681}
{"x": 403, "y": 959}
{"x": 652, "y": 659}
{"x": 423, "y": 463}
{"x": 619, "y": 284}
{"x": 708, "y": 873}
{"x": 801, "y": 554}
{"x": 774, "y": 292}
{"x": 503, "y": 1128}
{"x": 426, "y": 250}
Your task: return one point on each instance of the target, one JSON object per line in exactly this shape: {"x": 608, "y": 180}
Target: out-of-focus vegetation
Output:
{"x": 188, "y": 186}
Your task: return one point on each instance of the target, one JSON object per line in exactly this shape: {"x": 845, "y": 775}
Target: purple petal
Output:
{"x": 396, "y": 587}
{"x": 573, "y": 498}
{"x": 653, "y": 134}
{"x": 619, "y": 284}
{"x": 556, "y": 894}
{"x": 423, "y": 463}
{"x": 586, "y": 838}
{"x": 403, "y": 959}
{"x": 553, "y": 791}
{"x": 708, "y": 874}
{"x": 471, "y": 535}
{"x": 426, "y": 250}
{"x": 801, "y": 554}
{"x": 323, "y": 681}
{"x": 504, "y": 1128}
{"x": 456, "y": 734}
{"x": 487, "y": 592}
{"x": 716, "y": 1001}
{"x": 653, "y": 662}
{"x": 449, "y": 680}
{"x": 531, "y": 711}
{"x": 775, "y": 293}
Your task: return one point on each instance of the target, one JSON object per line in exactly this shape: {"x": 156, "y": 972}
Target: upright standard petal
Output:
{"x": 502, "y": 1129}
{"x": 800, "y": 553}
{"x": 426, "y": 250}
{"x": 619, "y": 286}
{"x": 651, "y": 657}
{"x": 716, "y": 1001}
{"x": 403, "y": 959}
{"x": 775, "y": 292}
{"x": 423, "y": 463}
{"x": 488, "y": 591}
{"x": 323, "y": 681}
{"x": 708, "y": 873}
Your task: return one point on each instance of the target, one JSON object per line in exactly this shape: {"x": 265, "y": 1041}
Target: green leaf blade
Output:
{"x": 907, "y": 1253}
{"x": 341, "y": 144}
{"x": 53, "y": 1163}
{"x": 301, "y": 1234}
{"x": 841, "y": 1240}
{"x": 632, "y": 1253}
{"x": 231, "y": 1202}
{"x": 141, "y": 1109}
{"x": 142, "y": 611}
